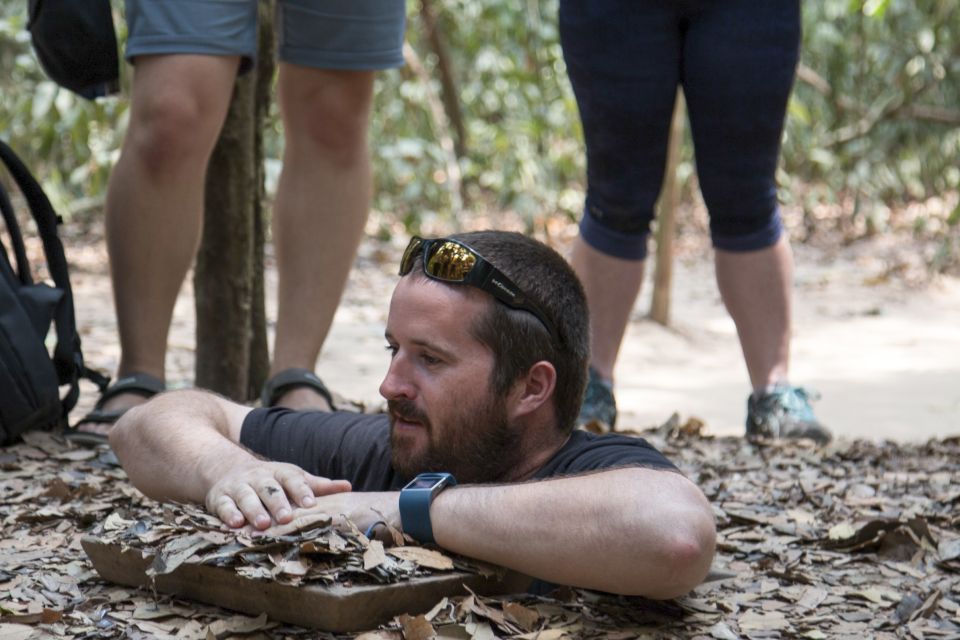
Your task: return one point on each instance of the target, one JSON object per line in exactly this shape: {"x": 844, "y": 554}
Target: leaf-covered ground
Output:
{"x": 857, "y": 540}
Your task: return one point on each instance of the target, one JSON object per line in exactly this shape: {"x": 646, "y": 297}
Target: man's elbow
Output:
{"x": 679, "y": 535}
{"x": 687, "y": 556}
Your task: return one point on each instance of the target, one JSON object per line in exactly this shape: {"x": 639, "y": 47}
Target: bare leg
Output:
{"x": 611, "y": 285}
{"x": 155, "y": 200}
{"x": 322, "y": 204}
{"x": 756, "y": 289}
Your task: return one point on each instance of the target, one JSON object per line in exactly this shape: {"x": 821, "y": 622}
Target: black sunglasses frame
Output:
{"x": 482, "y": 275}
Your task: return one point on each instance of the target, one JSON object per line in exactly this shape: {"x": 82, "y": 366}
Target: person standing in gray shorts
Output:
{"x": 187, "y": 55}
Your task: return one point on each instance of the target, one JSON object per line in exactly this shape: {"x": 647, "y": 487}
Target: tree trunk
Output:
{"x": 228, "y": 278}
{"x": 449, "y": 93}
{"x": 266, "y": 69}
{"x": 667, "y": 219}
{"x": 440, "y": 128}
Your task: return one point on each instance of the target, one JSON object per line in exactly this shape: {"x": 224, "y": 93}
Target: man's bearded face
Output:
{"x": 475, "y": 442}
{"x": 444, "y": 416}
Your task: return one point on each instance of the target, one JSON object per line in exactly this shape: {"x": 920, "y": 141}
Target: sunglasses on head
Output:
{"x": 449, "y": 260}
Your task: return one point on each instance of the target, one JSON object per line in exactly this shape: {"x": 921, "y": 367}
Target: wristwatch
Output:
{"x": 415, "y": 500}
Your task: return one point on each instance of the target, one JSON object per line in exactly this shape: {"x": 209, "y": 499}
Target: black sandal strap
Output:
{"x": 142, "y": 384}
{"x": 289, "y": 379}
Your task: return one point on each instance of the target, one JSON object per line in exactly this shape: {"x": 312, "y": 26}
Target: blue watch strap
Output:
{"x": 415, "y": 500}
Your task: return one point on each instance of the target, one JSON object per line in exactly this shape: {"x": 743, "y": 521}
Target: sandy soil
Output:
{"x": 882, "y": 346}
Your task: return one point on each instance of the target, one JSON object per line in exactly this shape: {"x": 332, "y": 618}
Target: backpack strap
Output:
{"x": 22, "y": 272}
{"x": 67, "y": 356}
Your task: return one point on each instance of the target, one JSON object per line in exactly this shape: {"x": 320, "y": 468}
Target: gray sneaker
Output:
{"x": 599, "y": 405}
{"x": 784, "y": 412}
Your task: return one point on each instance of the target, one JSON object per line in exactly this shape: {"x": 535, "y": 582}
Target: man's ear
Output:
{"x": 534, "y": 389}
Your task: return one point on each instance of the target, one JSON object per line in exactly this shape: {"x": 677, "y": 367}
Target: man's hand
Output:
{"x": 261, "y": 493}
{"x": 363, "y": 509}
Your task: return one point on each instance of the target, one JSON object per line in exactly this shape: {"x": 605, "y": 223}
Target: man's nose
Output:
{"x": 396, "y": 384}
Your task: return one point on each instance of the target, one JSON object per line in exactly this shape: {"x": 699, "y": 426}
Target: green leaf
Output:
{"x": 875, "y": 8}
{"x": 954, "y": 218}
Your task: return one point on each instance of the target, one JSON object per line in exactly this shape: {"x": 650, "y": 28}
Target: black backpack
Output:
{"x": 76, "y": 44}
{"x": 30, "y": 379}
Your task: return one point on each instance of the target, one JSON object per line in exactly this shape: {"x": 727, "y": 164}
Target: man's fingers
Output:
{"x": 226, "y": 509}
{"x": 302, "y": 488}
{"x": 250, "y": 504}
{"x": 273, "y": 495}
{"x": 298, "y": 490}
{"x": 263, "y": 495}
{"x": 325, "y": 486}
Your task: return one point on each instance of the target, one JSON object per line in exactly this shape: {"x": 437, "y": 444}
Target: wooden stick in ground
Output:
{"x": 667, "y": 219}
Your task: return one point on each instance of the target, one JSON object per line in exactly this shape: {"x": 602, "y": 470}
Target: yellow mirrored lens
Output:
{"x": 451, "y": 262}
{"x": 406, "y": 262}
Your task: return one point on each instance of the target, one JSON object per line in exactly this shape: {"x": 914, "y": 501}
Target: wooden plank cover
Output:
{"x": 331, "y": 608}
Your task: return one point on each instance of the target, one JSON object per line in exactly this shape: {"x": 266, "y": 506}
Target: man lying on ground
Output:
{"x": 488, "y": 339}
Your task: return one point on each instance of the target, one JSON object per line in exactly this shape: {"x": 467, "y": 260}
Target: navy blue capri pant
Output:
{"x": 735, "y": 60}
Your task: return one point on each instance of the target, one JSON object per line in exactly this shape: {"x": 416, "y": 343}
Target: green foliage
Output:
{"x": 523, "y": 145}
{"x": 71, "y": 142}
{"x": 875, "y": 112}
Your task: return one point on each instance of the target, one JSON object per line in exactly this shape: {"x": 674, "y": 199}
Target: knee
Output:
{"x": 749, "y": 225}
{"x": 329, "y": 119}
{"x": 617, "y": 231}
{"x": 172, "y": 132}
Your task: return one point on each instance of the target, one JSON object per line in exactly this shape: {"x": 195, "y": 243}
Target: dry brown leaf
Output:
{"x": 547, "y": 634}
{"x": 297, "y": 567}
{"x": 154, "y": 629}
{"x": 812, "y": 598}
{"x": 176, "y": 552}
{"x": 437, "y": 609}
{"x": 480, "y": 631}
{"x": 15, "y": 631}
{"x": 396, "y": 536}
{"x": 417, "y": 628}
{"x": 721, "y": 631}
{"x": 240, "y": 625}
{"x": 526, "y": 619}
{"x": 929, "y": 606}
{"x": 422, "y": 557}
{"x": 76, "y": 455}
{"x": 374, "y": 555}
{"x": 154, "y": 611}
{"x": 757, "y": 621}
{"x": 875, "y": 595}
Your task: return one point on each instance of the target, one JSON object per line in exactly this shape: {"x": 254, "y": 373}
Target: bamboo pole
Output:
{"x": 667, "y": 219}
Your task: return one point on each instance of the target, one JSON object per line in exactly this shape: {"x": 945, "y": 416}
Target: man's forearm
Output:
{"x": 628, "y": 531}
{"x": 175, "y": 447}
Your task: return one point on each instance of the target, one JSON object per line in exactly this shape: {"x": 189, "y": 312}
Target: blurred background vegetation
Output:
{"x": 482, "y": 118}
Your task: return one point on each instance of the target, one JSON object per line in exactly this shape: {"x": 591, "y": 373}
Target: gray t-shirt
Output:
{"x": 356, "y": 447}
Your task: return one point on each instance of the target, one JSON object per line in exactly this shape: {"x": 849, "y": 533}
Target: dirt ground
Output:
{"x": 874, "y": 333}
{"x": 853, "y": 540}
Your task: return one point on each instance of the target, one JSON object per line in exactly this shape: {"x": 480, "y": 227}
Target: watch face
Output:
{"x": 423, "y": 483}
{"x": 431, "y": 480}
